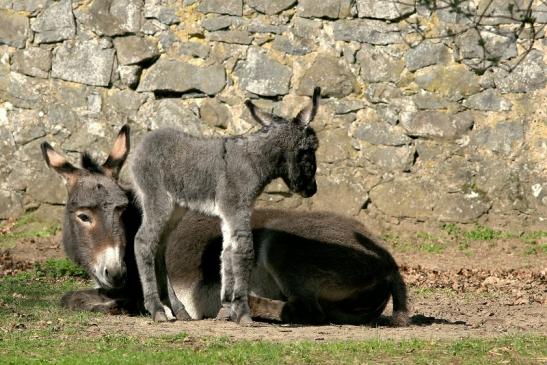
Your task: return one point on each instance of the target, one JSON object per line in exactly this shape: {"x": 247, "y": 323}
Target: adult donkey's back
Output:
{"x": 308, "y": 267}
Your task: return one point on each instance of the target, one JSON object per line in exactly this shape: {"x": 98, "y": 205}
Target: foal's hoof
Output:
{"x": 182, "y": 315}
{"x": 246, "y": 321}
{"x": 160, "y": 316}
{"x": 400, "y": 319}
{"x": 223, "y": 314}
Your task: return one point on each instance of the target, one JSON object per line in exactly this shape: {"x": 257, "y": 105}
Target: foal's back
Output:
{"x": 169, "y": 159}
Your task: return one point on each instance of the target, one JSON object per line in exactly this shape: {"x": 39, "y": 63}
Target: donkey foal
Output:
{"x": 220, "y": 177}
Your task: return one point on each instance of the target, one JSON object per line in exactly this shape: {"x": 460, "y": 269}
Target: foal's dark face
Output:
{"x": 94, "y": 234}
{"x": 301, "y": 165}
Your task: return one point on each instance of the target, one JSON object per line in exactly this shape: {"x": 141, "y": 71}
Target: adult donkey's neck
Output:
{"x": 132, "y": 219}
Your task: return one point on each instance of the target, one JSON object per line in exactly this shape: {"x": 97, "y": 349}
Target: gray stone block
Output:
{"x": 165, "y": 11}
{"x": 437, "y": 124}
{"x": 330, "y": 9}
{"x": 134, "y": 49}
{"x": 529, "y": 75}
{"x": 32, "y": 62}
{"x": 367, "y": 31}
{"x": 85, "y": 62}
{"x": 385, "y": 9}
{"x": 271, "y": 7}
{"x": 229, "y": 7}
{"x": 381, "y": 134}
{"x": 488, "y": 100}
{"x": 55, "y": 23}
{"x": 111, "y": 17}
{"x": 334, "y": 78}
{"x": 378, "y": 65}
{"x": 14, "y": 29}
{"x": 426, "y": 54}
{"x": 215, "y": 114}
{"x": 178, "y": 76}
{"x": 231, "y": 36}
{"x": 262, "y": 75}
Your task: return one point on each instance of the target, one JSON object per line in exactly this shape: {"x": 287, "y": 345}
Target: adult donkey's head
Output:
{"x": 94, "y": 233}
{"x": 299, "y": 165}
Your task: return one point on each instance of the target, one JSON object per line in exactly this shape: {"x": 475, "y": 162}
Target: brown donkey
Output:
{"x": 308, "y": 267}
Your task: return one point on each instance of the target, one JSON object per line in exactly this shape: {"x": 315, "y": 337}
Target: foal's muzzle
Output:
{"x": 309, "y": 190}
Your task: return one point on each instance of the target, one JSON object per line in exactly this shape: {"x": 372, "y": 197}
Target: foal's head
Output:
{"x": 298, "y": 164}
{"x": 93, "y": 230}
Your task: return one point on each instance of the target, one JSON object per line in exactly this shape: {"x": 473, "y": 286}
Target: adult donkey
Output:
{"x": 308, "y": 268}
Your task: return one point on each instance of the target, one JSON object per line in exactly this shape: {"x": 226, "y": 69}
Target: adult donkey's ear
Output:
{"x": 118, "y": 154}
{"x": 261, "y": 117}
{"x": 59, "y": 163}
{"x": 307, "y": 114}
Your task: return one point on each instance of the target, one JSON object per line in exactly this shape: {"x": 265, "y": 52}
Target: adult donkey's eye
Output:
{"x": 84, "y": 217}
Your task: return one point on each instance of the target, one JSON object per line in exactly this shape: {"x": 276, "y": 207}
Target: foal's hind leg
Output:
{"x": 237, "y": 237}
{"x": 156, "y": 213}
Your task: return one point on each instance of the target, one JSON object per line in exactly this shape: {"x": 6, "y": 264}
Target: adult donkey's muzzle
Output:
{"x": 109, "y": 269}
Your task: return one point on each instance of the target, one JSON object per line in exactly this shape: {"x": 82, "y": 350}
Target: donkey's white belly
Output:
{"x": 200, "y": 301}
{"x": 208, "y": 207}
{"x": 203, "y": 301}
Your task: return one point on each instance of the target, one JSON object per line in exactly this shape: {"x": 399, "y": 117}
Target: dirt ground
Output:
{"x": 486, "y": 291}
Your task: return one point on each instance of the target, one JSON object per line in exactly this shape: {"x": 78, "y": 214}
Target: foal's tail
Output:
{"x": 400, "y": 301}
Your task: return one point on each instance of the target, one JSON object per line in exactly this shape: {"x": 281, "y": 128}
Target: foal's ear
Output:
{"x": 261, "y": 117}
{"x": 307, "y": 114}
{"x": 59, "y": 163}
{"x": 118, "y": 154}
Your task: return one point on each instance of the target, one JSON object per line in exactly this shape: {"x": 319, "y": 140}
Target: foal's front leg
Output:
{"x": 237, "y": 237}
{"x": 156, "y": 214}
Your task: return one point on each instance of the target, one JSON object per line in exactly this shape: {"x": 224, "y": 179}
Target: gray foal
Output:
{"x": 221, "y": 177}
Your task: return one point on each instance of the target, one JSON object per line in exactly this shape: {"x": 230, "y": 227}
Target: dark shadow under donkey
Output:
{"x": 309, "y": 268}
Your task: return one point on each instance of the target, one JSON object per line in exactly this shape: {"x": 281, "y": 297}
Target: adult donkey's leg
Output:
{"x": 157, "y": 210}
{"x": 175, "y": 304}
{"x": 237, "y": 227}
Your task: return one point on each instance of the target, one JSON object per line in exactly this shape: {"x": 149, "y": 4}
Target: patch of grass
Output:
{"x": 464, "y": 245}
{"x": 482, "y": 233}
{"x": 533, "y": 236}
{"x": 423, "y": 242}
{"x": 26, "y": 226}
{"x": 33, "y": 328}
{"x": 57, "y": 268}
{"x": 429, "y": 243}
{"x": 452, "y": 229}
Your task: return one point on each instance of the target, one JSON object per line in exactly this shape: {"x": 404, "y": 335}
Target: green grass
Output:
{"x": 482, "y": 233}
{"x": 26, "y": 226}
{"x": 422, "y": 241}
{"x": 121, "y": 349}
{"x": 57, "y": 268}
{"x": 34, "y": 329}
{"x": 467, "y": 240}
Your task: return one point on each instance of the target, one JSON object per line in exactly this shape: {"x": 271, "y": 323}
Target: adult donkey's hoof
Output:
{"x": 246, "y": 321}
{"x": 160, "y": 316}
{"x": 223, "y": 314}
{"x": 182, "y": 315}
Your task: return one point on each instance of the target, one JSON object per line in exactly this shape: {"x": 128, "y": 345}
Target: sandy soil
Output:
{"x": 489, "y": 290}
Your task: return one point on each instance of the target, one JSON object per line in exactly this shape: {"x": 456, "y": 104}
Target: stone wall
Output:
{"x": 430, "y": 113}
